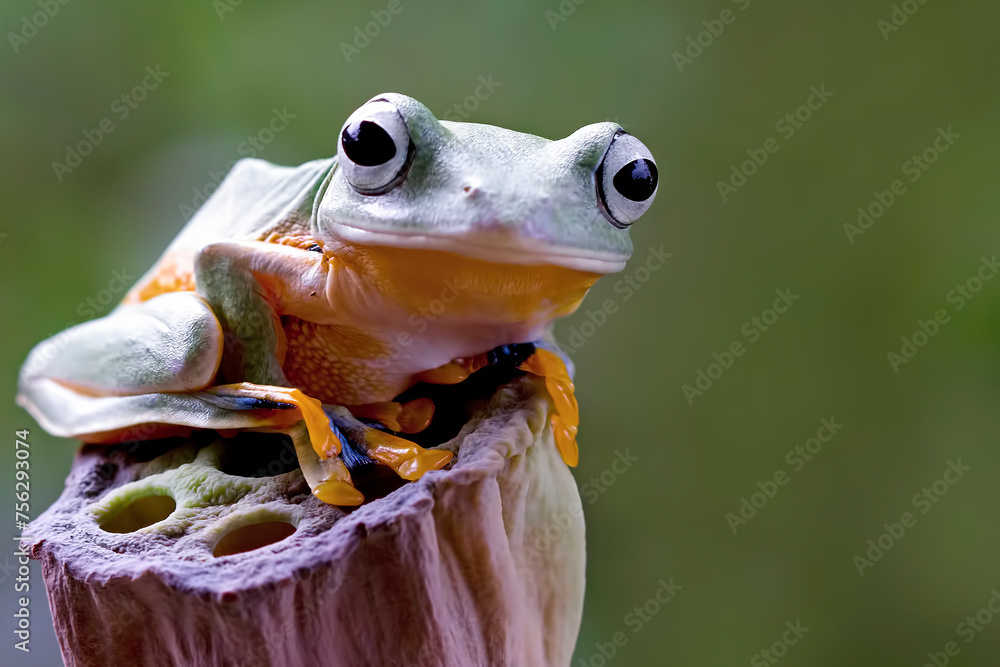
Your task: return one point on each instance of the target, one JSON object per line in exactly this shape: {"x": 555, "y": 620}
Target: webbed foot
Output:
{"x": 318, "y": 452}
{"x": 407, "y": 459}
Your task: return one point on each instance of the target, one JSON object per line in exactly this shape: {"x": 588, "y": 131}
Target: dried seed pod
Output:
{"x": 193, "y": 557}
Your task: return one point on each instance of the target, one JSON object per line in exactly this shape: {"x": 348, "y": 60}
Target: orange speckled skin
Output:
{"x": 332, "y": 362}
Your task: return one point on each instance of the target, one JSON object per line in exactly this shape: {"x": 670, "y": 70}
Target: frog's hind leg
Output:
{"x": 134, "y": 374}
{"x": 145, "y": 372}
{"x": 409, "y": 460}
{"x": 318, "y": 441}
{"x": 353, "y": 439}
{"x": 172, "y": 342}
{"x": 169, "y": 344}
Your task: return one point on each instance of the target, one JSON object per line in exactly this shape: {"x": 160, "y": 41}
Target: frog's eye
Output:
{"x": 626, "y": 180}
{"x": 375, "y": 148}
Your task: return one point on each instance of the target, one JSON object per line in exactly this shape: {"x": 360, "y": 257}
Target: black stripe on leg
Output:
{"x": 242, "y": 402}
{"x": 351, "y": 455}
{"x": 513, "y": 354}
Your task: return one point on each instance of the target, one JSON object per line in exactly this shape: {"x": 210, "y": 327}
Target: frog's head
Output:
{"x": 414, "y": 193}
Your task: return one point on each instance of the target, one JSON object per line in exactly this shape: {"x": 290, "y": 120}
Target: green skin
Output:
{"x": 480, "y": 192}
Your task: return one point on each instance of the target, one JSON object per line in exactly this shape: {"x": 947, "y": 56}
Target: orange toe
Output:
{"x": 565, "y": 435}
{"x": 431, "y": 459}
{"x": 335, "y": 492}
{"x": 416, "y": 415}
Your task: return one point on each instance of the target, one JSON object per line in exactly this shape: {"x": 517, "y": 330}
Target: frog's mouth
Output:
{"x": 496, "y": 246}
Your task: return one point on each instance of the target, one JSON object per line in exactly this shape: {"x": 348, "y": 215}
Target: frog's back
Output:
{"x": 256, "y": 201}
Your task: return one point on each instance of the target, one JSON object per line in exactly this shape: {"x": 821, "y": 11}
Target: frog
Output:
{"x": 303, "y": 300}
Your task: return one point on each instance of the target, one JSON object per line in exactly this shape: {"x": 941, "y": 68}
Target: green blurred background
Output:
{"x": 665, "y": 516}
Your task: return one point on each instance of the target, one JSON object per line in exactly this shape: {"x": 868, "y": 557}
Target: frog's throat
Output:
{"x": 489, "y": 246}
{"x": 454, "y": 286}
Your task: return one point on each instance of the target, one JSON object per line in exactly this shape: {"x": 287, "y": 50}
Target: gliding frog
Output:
{"x": 304, "y": 299}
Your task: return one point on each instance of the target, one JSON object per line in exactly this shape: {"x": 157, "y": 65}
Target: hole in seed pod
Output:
{"x": 254, "y": 536}
{"x": 139, "y": 513}
{"x": 258, "y": 455}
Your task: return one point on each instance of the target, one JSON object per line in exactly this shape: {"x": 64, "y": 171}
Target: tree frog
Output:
{"x": 305, "y": 299}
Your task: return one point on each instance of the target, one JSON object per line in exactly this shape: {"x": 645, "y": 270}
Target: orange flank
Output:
{"x": 334, "y": 362}
{"x": 174, "y": 273}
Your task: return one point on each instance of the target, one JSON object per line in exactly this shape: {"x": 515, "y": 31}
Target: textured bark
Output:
{"x": 482, "y": 564}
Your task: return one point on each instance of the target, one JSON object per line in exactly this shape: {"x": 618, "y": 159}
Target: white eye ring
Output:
{"x": 626, "y": 180}
{"x": 374, "y": 148}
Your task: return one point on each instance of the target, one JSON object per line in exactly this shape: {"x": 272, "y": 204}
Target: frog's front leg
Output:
{"x": 409, "y": 460}
{"x": 142, "y": 372}
{"x": 247, "y": 285}
{"x": 535, "y": 358}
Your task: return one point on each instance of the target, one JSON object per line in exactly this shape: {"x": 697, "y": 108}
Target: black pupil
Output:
{"x": 636, "y": 180}
{"x": 367, "y": 144}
